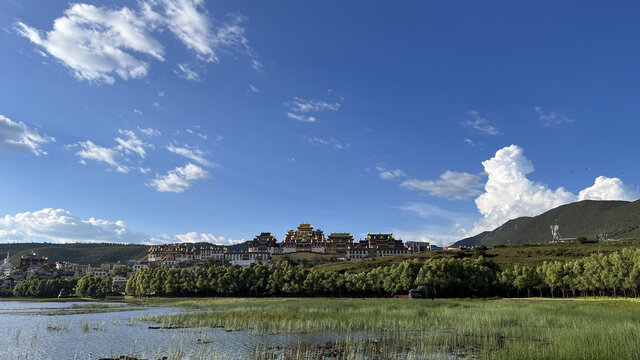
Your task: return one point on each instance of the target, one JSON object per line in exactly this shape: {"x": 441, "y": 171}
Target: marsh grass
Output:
{"x": 504, "y": 329}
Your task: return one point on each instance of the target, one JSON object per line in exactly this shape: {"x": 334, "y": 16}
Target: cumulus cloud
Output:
{"x": 508, "y": 193}
{"x": 61, "y": 226}
{"x": 452, "y": 184}
{"x": 97, "y": 43}
{"x": 552, "y": 118}
{"x": 149, "y": 132}
{"x": 605, "y": 188}
{"x": 19, "y": 137}
{"x": 194, "y": 237}
{"x": 179, "y": 179}
{"x": 194, "y": 154}
{"x": 479, "y": 124}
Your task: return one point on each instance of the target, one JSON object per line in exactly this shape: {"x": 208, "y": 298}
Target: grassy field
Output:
{"x": 533, "y": 254}
{"x": 400, "y": 329}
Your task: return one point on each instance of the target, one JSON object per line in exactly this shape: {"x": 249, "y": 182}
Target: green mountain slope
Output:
{"x": 590, "y": 219}
{"x": 94, "y": 254}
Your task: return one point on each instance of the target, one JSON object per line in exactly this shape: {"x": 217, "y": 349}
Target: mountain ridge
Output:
{"x": 591, "y": 219}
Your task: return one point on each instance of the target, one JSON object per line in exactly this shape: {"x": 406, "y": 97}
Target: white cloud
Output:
{"x": 605, "y": 188}
{"x": 118, "y": 155}
{"x": 509, "y": 194}
{"x": 198, "y": 134}
{"x": 97, "y": 43}
{"x": 254, "y": 89}
{"x": 131, "y": 143}
{"x": 479, "y": 124}
{"x": 185, "y": 72}
{"x": 301, "y": 118}
{"x": 149, "y": 132}
{"x": 330, "y": 142}
{"x": 194, "y": 154}
{"x": 137, "y": 111}
{"x": 91, "y": 151}
{"x": 61, "y": 226}
{"x": 303, "y": 106}
{"x": 194, "y": 237}
{"x": 18, "y": 136}
{"x": 179, "y": 179}
{"x": 390, "y": 174}
{"x": 553, "y": 118}
{"x": 298, "y": 107}
{"x": 452, "y": 184}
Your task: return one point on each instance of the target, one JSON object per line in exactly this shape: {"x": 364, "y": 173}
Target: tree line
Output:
{"x": 616, "y": 274}
{"x": 86, "y": 286}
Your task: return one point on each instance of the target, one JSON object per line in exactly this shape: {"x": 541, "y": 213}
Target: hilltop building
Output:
{"x": 304, "y": 239}
{"x": 171, "y": 254}
{"x": 265, "y": 242}
{"x": 378, "y": 245}
{"x": 339, "y": 243}
{"x": 32, "y": 261}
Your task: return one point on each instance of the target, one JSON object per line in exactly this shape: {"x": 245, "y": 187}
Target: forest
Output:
{"x": 614, "y": 274}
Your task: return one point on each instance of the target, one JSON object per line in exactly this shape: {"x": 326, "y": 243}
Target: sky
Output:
{"x": 159, "y": 121}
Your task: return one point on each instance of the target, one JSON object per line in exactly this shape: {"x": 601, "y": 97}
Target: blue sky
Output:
{"x": 187, "y": 120}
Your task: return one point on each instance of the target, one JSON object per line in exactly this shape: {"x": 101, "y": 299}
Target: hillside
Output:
{"x": 528, "y": 254}
{"x": 618, "y": 220}
{"x": 94, "y": 254}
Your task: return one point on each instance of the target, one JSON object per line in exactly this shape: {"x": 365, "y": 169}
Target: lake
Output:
{"x": 80, "y": 330}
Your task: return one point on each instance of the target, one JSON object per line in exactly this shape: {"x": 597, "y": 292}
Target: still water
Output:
{"x": 70, "y": 330}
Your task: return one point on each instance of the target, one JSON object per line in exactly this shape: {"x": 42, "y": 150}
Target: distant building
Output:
{"x": 304, "y": 239}
{"x": 247, "y": 258}
{"x": 139, "y": 265}
{"x": 377, "y": 245}
{"x": 418, "y": 246}
{"x": 339, "y": 243}
{"x": 32, "y": 260}
{"x": 265, "y": 242}
{"x": 71, "y": 269}
{"x": 171, "y": 253}
{"x": 211, "y": 253}
{"x": 6, "y": 267}
{"x": 452, "y": 248}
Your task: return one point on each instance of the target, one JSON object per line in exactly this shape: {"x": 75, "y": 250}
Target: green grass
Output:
{"x": 531, "y": 254}
{"x": 503, "y": 329}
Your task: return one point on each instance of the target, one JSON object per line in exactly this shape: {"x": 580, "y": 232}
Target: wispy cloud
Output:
{"x": 452, "y": 184}
{"x": 91, "y": 151}
{"x": 299, "y": 108}
{"x": 479, "y": 124}
{"x": 184, "y": 71}
{"x": 192, "y": 153}
{"x": 390, "y": 174}
{"x": 552, "y": 118}
{"x": 326, "y": 142}
{"x": 301, "y": 118}
{"x": 19, "y": 137}
{"x": 116, "y": 156}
